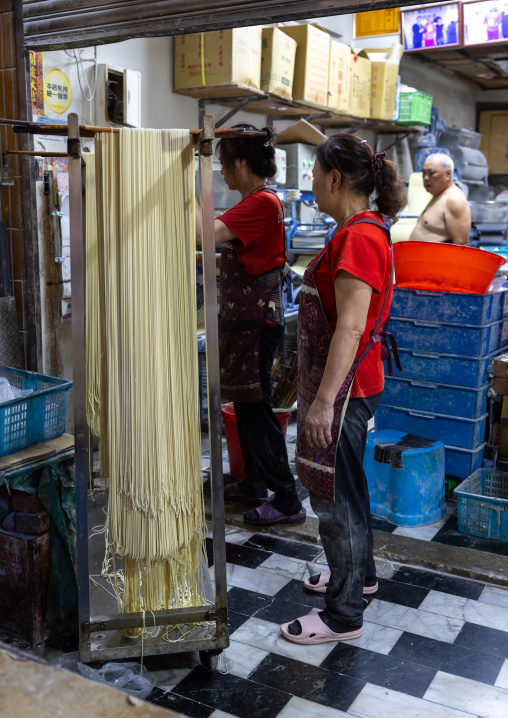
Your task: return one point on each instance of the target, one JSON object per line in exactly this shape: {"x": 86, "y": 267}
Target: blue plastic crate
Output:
{"x": 463, "y": 371}
{"x": 406, "y": 478}
{"x": 452, "y": 430}
{"x": 437, "y": 398}
{"x": 460, "y": 463}
{"x": 36, "y": 417}
{"x": 454, "y": 307}
{"x": 482, "y": 505}
{"x": 448, "y": 338}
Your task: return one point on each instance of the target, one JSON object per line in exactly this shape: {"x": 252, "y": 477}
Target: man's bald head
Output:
{"x": 437, "y": 173}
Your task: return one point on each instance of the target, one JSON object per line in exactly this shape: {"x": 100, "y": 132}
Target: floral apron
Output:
{"x": 315, "y": 465}
{"x": 244, "y": 305}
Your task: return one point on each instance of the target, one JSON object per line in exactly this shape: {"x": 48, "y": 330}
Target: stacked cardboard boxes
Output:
{"x": 295, "y": 62}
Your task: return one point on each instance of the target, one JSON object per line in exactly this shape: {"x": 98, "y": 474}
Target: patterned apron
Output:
{"x": 315, "y": 465}
{"x": 244, "y": 305}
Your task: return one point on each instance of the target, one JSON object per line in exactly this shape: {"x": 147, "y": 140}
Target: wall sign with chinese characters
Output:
{"x": 57, "y": 91}
{"x": 377, "y": 22}
{"x": 37, "y": 83}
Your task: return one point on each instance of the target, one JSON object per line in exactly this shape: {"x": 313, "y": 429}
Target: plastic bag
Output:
{"x": 20, "y": 393}
{"x": 496, "y": 285}
{"x": 6, "y": 392}
{"x": 123, "y": 676}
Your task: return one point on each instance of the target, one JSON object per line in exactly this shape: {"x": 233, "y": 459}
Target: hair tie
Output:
{"x": 376, "y": 162}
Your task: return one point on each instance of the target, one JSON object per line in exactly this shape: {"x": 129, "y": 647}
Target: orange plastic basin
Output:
{"x": 444, "y": 267}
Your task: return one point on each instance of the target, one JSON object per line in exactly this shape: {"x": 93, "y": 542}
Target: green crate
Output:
{"x": 415, "y": 108}
{"x": 451, "y": 483}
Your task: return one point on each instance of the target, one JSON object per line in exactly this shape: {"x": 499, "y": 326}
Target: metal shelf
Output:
{"x": 241, "y": 97}
{"x": 480, "y": 66}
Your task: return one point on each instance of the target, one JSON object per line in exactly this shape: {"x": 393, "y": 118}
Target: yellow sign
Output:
{"x": 377, "y": 22}
{"x": 57, "y": 91}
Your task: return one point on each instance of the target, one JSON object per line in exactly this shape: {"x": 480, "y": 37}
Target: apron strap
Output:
{"x": 285, "y": 278}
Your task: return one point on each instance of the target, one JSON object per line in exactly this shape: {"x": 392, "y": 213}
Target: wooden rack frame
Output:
{"x": 90, "y": 649}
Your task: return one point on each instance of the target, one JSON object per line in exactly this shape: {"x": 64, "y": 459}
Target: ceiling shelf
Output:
{"x": 485, "y": 67}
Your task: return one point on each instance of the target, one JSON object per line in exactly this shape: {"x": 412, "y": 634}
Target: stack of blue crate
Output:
{"x": 446, "y": 343}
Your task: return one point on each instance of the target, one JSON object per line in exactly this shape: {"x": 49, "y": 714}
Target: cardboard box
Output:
{"x": 385, "y": 71}
{"x": 494, "y": 144}
{"x": 500, "y": 366}
{"x": 500, "y": 385}
{"x": 310, "y": 82}
{"x": 359, "y": 87}
{"x": 339, "y": 76}
{"x": 229, "y": 57}
{"x": 302, "y": 131}
{"x": 277, "y": 62}
{"x": 500, "y": 438}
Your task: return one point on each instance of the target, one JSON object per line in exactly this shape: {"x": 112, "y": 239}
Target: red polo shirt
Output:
{"x": 258, "y": 223}
{"x": 363, "y": 251}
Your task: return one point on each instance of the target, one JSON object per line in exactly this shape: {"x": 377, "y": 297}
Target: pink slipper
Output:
{"x": 324, "y": 577}
{"x": 314, "y": 631}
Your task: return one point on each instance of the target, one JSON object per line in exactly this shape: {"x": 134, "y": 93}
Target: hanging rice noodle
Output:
{"x": 142, "y": 362}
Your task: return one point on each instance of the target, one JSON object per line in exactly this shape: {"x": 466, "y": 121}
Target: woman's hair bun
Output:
{"x": 258, "y": 151}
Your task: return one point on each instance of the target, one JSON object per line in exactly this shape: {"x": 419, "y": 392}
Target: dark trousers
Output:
{"x": 262, "y": 440}
{"x": 345, "y": 526}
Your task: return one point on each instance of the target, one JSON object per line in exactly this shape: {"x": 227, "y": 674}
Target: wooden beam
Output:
{"x": 60, "y": 24}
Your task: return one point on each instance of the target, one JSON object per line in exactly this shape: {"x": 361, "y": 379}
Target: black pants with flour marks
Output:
{"x": 262, "y": 440}
{"x": 345, "y": 526}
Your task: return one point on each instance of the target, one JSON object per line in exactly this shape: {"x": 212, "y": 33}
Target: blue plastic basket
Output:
{"x": 450, "y": 338}
{"x": 438, "y": 398}
{"x": 461, "y": 463}
{"x": 439, "y": 368}
{"x": 36, "y": 417}
{"x": 455, "y": 307}
{"x": 451, "y": 430}
{"x": 482, "y": 504}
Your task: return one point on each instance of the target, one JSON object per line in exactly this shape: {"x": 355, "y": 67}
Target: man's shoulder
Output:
{"x": 456, "y": 199}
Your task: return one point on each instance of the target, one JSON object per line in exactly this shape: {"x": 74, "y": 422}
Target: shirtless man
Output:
{"x": 447, "y": 217}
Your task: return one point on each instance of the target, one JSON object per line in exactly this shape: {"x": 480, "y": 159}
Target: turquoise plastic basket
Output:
{"x": 36, "y": 417}
{"x": 482, "y": 503}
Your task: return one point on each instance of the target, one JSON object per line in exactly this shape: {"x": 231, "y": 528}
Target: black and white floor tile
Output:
{"x": 433, "y": 646}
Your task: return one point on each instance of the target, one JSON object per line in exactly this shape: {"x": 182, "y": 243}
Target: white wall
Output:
{"x": 153, "y": 57}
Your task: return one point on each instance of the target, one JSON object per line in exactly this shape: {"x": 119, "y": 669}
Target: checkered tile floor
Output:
{"x": 433, "y": 646}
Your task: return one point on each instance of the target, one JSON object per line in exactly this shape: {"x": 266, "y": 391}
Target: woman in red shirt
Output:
{"x": 251, "y": 325}
{"x": 344, "y": 308}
